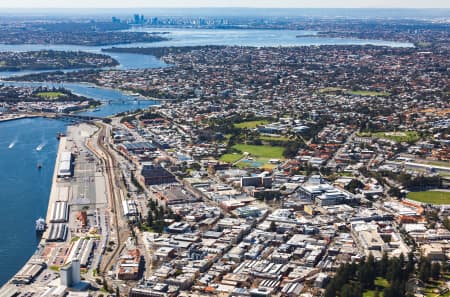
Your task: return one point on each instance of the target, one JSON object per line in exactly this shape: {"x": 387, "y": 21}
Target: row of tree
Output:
{"x": 352, "y": 279}
{"x": 156, "y": 216}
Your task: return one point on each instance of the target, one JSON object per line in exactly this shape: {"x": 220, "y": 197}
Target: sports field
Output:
{"x": 431, "y": 197}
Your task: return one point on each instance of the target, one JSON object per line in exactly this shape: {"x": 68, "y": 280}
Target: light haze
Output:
{"x": 225, "y": 3}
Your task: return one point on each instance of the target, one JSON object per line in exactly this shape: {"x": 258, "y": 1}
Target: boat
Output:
{"x": 95, "y": 110}
{"x": 39, "y": 166}
{"x": 40, "y": 225}
{"x": 40, "y": 147}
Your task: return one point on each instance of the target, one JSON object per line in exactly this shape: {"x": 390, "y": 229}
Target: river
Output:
{"x": 193, "y": 37}
{"x": 25, "y": 189}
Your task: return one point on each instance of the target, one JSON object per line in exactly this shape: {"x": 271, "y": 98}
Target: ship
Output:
{"x": 40, "y": 225}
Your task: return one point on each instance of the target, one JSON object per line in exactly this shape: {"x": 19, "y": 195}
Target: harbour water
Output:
{"x": 25, "y": 189}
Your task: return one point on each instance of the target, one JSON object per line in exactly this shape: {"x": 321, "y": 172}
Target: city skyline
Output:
{"x": 227, "y": 3}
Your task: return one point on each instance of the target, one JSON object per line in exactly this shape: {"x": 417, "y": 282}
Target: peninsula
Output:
{"x": 49, "y": 60}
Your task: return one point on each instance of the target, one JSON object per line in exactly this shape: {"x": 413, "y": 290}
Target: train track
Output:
{"x": 115, "y": 200}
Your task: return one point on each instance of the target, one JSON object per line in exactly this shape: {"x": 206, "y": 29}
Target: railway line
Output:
{"x": 121, "y": 229}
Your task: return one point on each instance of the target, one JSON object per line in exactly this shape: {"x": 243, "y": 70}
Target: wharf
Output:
{"x": 15, "y": 117}
{"x": 85, "y": 191}
{"x": 54, "y": 192}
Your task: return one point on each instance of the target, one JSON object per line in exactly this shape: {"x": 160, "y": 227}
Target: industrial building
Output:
{"x": 57, "y": 232}
{"x": 137, "y": 147}
{"x": 65, "y": 168}
{"x": 29, "y": 272}
{"x": 156, "y": 175}
{"x": 81, "y": 250}
{"x": 60, "y": 213}
{"x": 176, "y": 195}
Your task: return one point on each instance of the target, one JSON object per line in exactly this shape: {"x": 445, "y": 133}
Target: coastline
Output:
{"x": 17, "y": 117}
{"x": 46, "y": 254}
{"x": 53, "y": 191}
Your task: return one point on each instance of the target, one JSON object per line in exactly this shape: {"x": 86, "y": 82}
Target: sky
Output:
{"x": 225, "y": 3}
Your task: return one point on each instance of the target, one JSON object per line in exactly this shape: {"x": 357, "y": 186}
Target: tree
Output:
{"x": 435, "y": 270}
{"x": 348, "y": 291}
{"x": 273, "y": 227}
{"x": 292, "y": 147}
{"x": 395, "y": 192}
{"x": 446, "y": 223}
{"x": 150, "y": 218}
{"x": 353, "y": 185}
{"x": 367, "y": 273}
{"x": 383, "y": 264}
{"x": 330, "y": 290}
{"x": 410, "y": 264}
{"x": 424, "y": 270}
{"x": 394, "y": 270}
{"x": 196, "y": 166}
{"x": 152, "y": 204}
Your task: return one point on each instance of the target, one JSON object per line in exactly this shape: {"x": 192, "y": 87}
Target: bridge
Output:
{"x": 73, "y": 117}
{"x": 78, "y": 117}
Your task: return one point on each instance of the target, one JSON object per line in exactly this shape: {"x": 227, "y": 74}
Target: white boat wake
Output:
{"x": 40, "y": 147}
{"x": 12, "y": 144}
